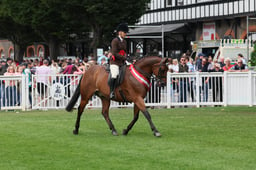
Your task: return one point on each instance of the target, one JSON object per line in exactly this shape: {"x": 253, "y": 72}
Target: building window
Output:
{"x": 31, "y": 51}
{"x": 202, "y": 1}
{"x": 41, "y": 52}
{"x": 148, "y": 6}
{"x": 180, "y": 2}
{"x": 11, "y": 53}
{"x": 168, "y": 3}
{"x": 172, "y": 3}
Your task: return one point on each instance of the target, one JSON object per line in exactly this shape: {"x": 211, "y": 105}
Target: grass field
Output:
{"x": 192, "y": 138}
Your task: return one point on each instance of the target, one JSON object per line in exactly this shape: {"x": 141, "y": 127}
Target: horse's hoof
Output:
{"x": 157, "y": 134}
{"x": 75, "y": 132}
{"x": 125, "y": 132}
{"x": 114, "y": 133}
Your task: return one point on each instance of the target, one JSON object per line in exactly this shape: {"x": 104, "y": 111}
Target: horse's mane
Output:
{"x": 141, "y": 59}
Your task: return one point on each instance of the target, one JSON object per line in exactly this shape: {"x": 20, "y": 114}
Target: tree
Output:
{"x": 104, "y": 15}
{"x": 21, "y": 35}
{"x": 253, "y": 56}
{"x": 54, "y": 21}
{"x": 47, "y": 18}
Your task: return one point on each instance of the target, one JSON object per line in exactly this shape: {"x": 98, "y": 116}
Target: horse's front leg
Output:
{"x": 141, "y": 105}
{"x": 105, "y": 113}
{"x": 148, "y": 117}
{"x": 136, "y": 111}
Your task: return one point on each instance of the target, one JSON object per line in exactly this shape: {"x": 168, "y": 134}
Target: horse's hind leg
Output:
{"x": 79, "y": 114}
{"x": 136, "y": 111}
{"x": 105, "y": 113}
{"x": 140, "y": 103}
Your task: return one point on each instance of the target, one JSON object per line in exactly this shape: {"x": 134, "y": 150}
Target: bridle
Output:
{"x": 157, "y": 77}
{"x": 161, "y": 72}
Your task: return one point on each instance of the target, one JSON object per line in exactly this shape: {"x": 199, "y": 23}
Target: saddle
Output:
{"x": 120, "y": 77}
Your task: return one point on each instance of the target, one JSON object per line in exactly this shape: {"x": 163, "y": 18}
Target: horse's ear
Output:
{"x": 165, "y": 60}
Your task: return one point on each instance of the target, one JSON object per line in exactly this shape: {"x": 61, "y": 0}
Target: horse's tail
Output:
{"x": 74, "y": 98}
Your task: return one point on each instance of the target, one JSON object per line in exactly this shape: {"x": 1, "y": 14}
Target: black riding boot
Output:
{"x": 112, "y": 88}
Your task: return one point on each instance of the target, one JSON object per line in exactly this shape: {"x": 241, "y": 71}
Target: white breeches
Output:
{"x": 114, "y": 69}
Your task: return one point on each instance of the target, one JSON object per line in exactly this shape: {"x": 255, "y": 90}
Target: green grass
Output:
{"x": 192, "y": 138}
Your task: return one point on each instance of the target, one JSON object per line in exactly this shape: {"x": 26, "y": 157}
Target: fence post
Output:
{"x": 225, "y": 94}
{"x": 250, "y": 88}
{"x": 33, "y": 91}
{"x": 168, "y": 86}
{"x": 197, "y": 89}
{"x": 24, "y": 92}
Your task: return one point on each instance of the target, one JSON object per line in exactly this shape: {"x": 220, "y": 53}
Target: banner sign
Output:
{"x": 57, "y": 91}
{"x": 209, "y": 31}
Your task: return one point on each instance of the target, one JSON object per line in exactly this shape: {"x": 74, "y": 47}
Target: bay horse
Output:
{"x": 134, "y": 87}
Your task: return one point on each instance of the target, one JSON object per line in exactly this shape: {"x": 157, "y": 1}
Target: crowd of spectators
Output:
{"x": 10, "y": 89}
{"x": 202, "y": 63}
{"x": 77, "y": 66}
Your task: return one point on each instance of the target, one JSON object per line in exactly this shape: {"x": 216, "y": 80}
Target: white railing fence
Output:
{"x": 58, "y": 90}
{"x": 13, "y": 92}
{"x": 183, "y": 89}
{"x": 52, "y": 91}
{"x": 199, "y": 89}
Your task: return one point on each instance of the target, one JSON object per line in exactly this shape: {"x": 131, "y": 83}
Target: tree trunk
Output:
{"x": 97, "y": 39}
{"x": 54, "y": 48}
{"x": 19, "y": 51}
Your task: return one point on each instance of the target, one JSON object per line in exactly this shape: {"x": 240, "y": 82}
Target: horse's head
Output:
{"x": 153, "y": 65}
{"x": 160, "y": 71}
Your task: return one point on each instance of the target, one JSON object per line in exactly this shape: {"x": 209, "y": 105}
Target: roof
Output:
{"x": 144, "y": 30}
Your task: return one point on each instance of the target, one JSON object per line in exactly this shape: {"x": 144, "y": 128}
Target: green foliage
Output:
{"x": 104, "y": 16}
{"x": 253, "y": 56}
{"x": 193, "y": 138}
{"x": 54, "y": 21}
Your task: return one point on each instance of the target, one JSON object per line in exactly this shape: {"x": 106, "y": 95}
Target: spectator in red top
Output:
{"x": 76, "y": 71}
{"x": 41, "y": 61}
{"x": 68, "y": 69}
{"x": 228, "y": 65}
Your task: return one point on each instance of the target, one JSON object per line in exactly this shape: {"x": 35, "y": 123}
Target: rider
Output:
{"x": 119, "y": 50}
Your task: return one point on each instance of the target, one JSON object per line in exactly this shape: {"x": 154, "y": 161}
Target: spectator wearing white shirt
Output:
{"x": 43, "y": 75}
{"x": 174, "y": 66}
{"x": 55, "y": 69}
{"x": 191, "y": 69}
{"x": 240, "y": 56}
